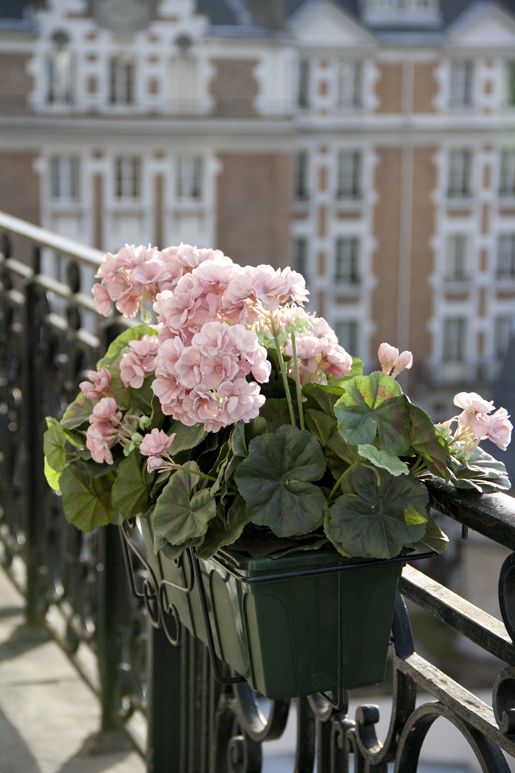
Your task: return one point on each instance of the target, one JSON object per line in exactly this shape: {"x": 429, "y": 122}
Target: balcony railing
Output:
{"x": 75, "y": 583}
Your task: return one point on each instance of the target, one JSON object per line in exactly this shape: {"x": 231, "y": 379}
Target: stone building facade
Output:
{"x": 370, "y": 143}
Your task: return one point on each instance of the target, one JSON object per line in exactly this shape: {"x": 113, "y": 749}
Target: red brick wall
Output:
{"x": 234, "y": 87}
{"x": 15, "y": 82}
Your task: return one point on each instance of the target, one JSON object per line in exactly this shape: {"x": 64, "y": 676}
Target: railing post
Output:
{"x": 36, "y": 590}
{"x": 165, "y": 705}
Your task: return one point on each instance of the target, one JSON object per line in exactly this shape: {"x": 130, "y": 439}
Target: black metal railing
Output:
{"x": 76, "y": 583}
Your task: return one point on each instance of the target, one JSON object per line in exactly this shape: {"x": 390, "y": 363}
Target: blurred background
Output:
{"x": 370, "y": 144}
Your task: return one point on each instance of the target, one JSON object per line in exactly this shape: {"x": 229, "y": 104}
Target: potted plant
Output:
{"x": 278, "y": 488}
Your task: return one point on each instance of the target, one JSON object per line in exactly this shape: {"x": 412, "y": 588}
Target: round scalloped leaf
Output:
{"x": 377, "y": 515}
{"x": 87, "y": 496}
{"x": 131, "y": 487}
{"x": 179, "y": 515}
{"x": 391, "y": 464}
{"x": 54, "y": 445}
{"x": 111, "y": 361}
{"x": 224, "y": 529}
{"x": 274, "y": 481}
{"x": 428, "y": 442}
{"x": 77, "y": 413}
{"x": 374, "y": 407}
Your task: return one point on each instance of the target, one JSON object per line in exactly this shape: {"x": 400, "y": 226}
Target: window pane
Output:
{"x": 502, "y": 332}
{"x": 507, "y": 175}
{"x": 121, "y": 81}
{"x": 64, "y": 178}
{"x": 460, "y": 172}
{"x": 304, "y": 80}
{"x": 511, "y": 83}
{"x": 506, "y": 256}
{"x": 127, "y": 177}
{"x": 300, "y": 256}
{"x": 454, "y": 332}
{"x": 347, "y": 334}
{"x": 301, "y": 176}
{"x": 456, "y": 258}
{"x": 349, "y": 84}
{"x": 347, "y": 260}
{"x": 349, "y": 175}
{"x": 60, "y": 77}
{"x": 189, "y": 178}
{"x": 461, "y": 84}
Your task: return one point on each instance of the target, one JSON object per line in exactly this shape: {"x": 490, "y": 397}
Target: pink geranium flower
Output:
{"x": 391, "y": 361}
{"x": 139, "y": 362}
{"x": 98, "y": 386}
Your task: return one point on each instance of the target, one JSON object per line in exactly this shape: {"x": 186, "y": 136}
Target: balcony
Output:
{"x": 74, "y": 586}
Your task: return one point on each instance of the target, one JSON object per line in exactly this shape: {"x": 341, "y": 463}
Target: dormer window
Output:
{"x": 349, "y": 85}
{"x": 461, "y": 84}
{"x": 402, "y": 11}
{"x": 121, "y": 80}
{"x": 60, "y": 71}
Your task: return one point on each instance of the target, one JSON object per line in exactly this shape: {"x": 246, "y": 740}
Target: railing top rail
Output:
{"x": 80, "y": 252}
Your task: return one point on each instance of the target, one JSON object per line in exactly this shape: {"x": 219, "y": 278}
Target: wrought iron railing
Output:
{"x": 76, "y": 582}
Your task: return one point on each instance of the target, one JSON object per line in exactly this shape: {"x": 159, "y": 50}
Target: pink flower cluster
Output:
{"x": 101, "y": 434}
{"x": 206, "y": 381}
{"x": 319, "y": 353}
{"x": 139, "y": 362}
{"x": 391, "y": 361}
{"x": 133, "y": 276}
{"x": 153, "y": 445}
{"x": 98, "y": 386}
{"x": 478, "y": 420}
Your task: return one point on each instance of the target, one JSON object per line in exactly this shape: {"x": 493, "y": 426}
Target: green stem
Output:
{"x": 298, "y": 388}
{"x": 284, "y": 377}
{"x": 338, "y": 482}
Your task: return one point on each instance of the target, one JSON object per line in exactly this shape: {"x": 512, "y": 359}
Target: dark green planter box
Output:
{"x": 296, "y": 625}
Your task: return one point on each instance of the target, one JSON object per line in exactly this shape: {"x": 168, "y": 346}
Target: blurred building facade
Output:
{"x": 369, "y": 143}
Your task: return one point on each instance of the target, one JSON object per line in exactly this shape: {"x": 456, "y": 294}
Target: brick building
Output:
{"x": 369, "y": 142}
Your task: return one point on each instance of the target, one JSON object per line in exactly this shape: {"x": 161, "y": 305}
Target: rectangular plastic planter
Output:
{"x": 308, "y": 622}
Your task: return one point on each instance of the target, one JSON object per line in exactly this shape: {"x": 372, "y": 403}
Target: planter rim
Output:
{"x": 254, "y": 570}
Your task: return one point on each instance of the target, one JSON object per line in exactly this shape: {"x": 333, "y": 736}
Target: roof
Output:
{"x": 269, "y": 16}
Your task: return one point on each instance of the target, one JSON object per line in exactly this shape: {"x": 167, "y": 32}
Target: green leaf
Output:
{"x": 320, "y": 424}
{"x": 275, "y": 478}
{"x": 171, "y": 552}
{"x": 179, "y": 515}
{"x": 238, "y": 441}
{"x": 111, "y": 360}
{"x": 77, "y": 413}
{"x": 374, "y": 407}
{"x": 132, "y": 486}
{"x": 52, "y": 477}
{"x": 185, "y": 437}
{"x": 275, "y": 412}
{"x": 428, "y": 442}
{"x": 54, "y": 445}
{"x": 433, "y": 539}
{"x": 391, "y": 464}
{"x": 480, "y": 472}
{"x": 87, "y": 496}
{"x": 322, "y": 397}
{"x": 377, "y": 515}
{"x": 224, "y": 530}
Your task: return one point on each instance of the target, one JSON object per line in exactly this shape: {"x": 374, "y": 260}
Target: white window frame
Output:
{"x": 64, "y": 179}
{"x": 349, "y": 175}
{"x": 349, "y": 84}
{"x": 127, "y": 178}
{"x": 505, "y": 257}
{"x": 459, "y": 173}
{"x": 461, "y": 84}
{"x": 60, "y": 73}
{"x": 347, "y": 255}
{"x": 300, "y": 256}
{"x": 122, "y": 80}
{"x": 189, "y": 179}
{"x": 454, "y": 339}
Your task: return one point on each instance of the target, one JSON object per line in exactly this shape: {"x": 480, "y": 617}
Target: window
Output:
{"x": 349, "y": 84}
{"x": 301, "y": 190}
{"x": 456, "y": 258}
{"x": 347, "y": 332}
{"x": 127, "y": 177}
{"x": 300, "y": 256}
{"x": 60, "y": 71}
{"x": 507, "y": 175}
{"x": 188, "y": 183}
{"x": 64, "y": 178}
{"x": 303, "y": 97}
{"x": 454, "y": 339}
{"x": 460, "y": 173}
{"x": 347, "y": 261}
{"x": 422, "y": 7}
{"x": 183, "y": 84}
{"x": 511, "y": 84}
{"x": 349, "y": 175}
{"x": 505, "y": 268}
{"x": 502, "y": 334}
{"x": 121, "y": 81}
{"x": 461, "y": 84}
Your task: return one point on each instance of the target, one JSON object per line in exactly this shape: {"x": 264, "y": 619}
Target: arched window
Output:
{"x": 60, "y": 71}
